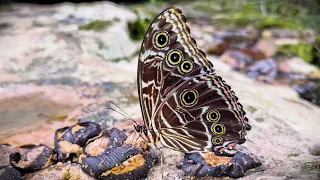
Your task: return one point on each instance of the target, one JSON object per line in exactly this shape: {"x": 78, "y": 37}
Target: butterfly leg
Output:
{"x": 133, "y": 142}
{"x": 161, "y": 158}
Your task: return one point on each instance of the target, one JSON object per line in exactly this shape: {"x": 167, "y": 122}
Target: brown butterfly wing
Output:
{"x": 189, "y": 127}
{"x": 170, "y": 63}
{"x": 156, "y": 77}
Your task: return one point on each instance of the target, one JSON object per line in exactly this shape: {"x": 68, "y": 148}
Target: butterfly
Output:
{"x": 185, "y": 105}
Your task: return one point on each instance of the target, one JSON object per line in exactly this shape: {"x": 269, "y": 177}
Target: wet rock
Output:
{"x": 31, "y": 113}
{"x": 23, "y": 105}
{"x": 195, "y": 165}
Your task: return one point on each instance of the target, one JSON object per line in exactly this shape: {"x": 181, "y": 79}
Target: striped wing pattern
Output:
{"x": 185, "y": 105}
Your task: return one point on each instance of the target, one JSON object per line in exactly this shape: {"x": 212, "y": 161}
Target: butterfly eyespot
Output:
{"x": 161, "y": 39}
{"x": 189, "y": 97}
{"x": 218, "y": 129}
{"x": 213, "y": 115}
{"x": 186, "y": 66}
{"x": 174, "y": 57}
{"x": 217, "y": 140}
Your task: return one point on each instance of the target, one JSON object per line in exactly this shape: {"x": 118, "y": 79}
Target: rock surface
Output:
{"x": 52, "y": 74}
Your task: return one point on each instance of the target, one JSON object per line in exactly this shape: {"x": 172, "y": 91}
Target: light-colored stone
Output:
{"x": 298, "y": 65}
{"x": 266, "y": 47}
{"x": 66, "y": 171}
{"x": 49, "y": 45}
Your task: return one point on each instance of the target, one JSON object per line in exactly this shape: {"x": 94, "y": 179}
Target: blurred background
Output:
{"x": 63, "y": 62}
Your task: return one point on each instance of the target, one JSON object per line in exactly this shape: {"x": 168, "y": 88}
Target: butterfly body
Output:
{"x": 185, "y": 105}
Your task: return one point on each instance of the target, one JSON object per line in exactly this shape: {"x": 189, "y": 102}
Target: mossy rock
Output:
{"x": 266, "y": 14}
{"x": 316, "y": 53}
{"x": 302, "y": 50}
{"x": 308, "y": 52}
{"x": 138, "y": 29}
{"x": 96, "y": 25}
{"x": 273, "y": 21}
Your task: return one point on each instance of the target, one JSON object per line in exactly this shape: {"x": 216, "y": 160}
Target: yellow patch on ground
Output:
{"x": 213, "y": 160}
{"x": 127, "y": 166}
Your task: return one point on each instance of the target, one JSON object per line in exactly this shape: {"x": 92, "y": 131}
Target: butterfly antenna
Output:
{"x": 123, "y": 113}
{"x": 120, "y": 109}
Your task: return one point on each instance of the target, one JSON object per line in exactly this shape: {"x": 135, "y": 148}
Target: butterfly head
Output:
{"x": 140, "y": 129}
{"x": 143, "y": 131}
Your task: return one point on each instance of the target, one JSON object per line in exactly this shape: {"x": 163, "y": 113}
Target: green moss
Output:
{"x": 261, "y": 14}
{"x": 308, "y": 52}
{"x": 293, "y": 155}
{"x": 138, "y": 28}
{"x": 271, "y": 21}
{"x": 316, "y": 53}
{"x": 96, "y": 25}
{"x": 261, "y": 21}
{"x": 116, "y": 60}
{"x": 301, "y": 50}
